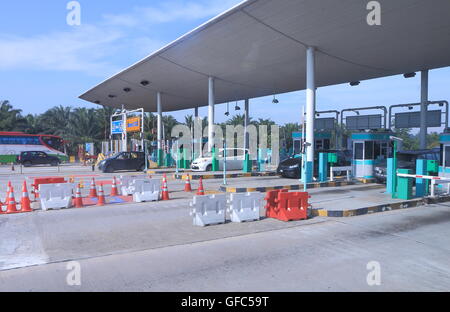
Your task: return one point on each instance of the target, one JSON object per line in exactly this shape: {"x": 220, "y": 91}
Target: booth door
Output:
{"x": 358, "y": 155}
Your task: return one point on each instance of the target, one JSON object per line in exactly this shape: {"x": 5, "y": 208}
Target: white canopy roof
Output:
{"x": 258, "y": 48}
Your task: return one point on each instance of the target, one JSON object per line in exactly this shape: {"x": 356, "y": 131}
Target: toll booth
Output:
{"x": 369, "y": 150}
{"x": 322, "y": 141}
{"x": 444, "y": 162}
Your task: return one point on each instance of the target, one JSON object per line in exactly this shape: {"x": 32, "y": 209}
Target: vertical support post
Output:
{"x": 394, "y": 171}
{"x": 196, "y": 146}
{"x": 423, "y": 108}
{"x": 211, "y": 103}
{"x": 247, "y": 162}
{"x": 390, "y": 176}
{"x": 323, "y": 167}
{"x": 124, "y": 131}
{"x": 421, "y": 184}
{"x": 310, "y": 112}
{"x": 246, "y": 123}
{"x": 160, "y": 155}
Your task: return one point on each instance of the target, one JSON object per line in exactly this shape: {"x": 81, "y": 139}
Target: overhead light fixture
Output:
{"x": 275, "y": 101}
{"x": 410, "y": 108}
{"x": 441, "y": 104}
{"x": 228, "y": 110}
{"x": 97, "y": 102}
{"x": 318, "y": 115}
{"x": 127, "y": 89}
{"x": 111, "y": 96}
{"x": 355, "y": 83}
{"x": 237, "y": 108}
{"x": 409, "y": 75}
{"x": 145, "y": 83}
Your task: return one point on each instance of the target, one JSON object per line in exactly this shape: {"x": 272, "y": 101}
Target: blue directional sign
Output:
{"x": 117, "y": 127}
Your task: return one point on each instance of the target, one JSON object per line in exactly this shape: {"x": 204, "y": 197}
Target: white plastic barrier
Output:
{"x": 348, "y": 169}
{"x": 56, "y": 196}
{"x": 208, "y": 210}
{"x": 146, "y": 190}
{"x": 127, "y": 184}
{"x": 245, "y": 207}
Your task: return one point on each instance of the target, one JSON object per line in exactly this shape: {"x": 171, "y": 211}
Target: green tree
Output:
{"x": 10, "y": 118}
{"x": 56, "y": 120}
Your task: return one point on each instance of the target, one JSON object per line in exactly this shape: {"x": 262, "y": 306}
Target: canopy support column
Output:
{"x": 246, "y": 124}
{"x": 160, "y": 152}
{"x": 211, "y": 103}
{"x": 423, "y": 108}
{"x": 310, "y": 112}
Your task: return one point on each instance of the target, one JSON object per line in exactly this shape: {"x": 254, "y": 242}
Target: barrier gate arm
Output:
{"x": 433, "y": 179}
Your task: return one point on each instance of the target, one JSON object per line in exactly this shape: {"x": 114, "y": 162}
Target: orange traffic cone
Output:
{"x": 78, "y": 201}
{"x": 201, "y": 190}
{"x": 187, "y": 186}
{"x": 93, "y": 190}
{"x": 101, "y": 196}
{"x": 25, "y": 204}
{"x": 114, "y": 191}
{"x": 11, "y": 201}
{"x": 165, "y": 190}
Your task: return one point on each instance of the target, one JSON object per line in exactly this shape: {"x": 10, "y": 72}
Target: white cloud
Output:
{"x": 170, "y": 11}
{"x": 82, "y": 49}
{"x": 92, "y": 49}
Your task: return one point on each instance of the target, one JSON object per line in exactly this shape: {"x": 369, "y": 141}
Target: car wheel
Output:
{"x": 141, "y": 168}
{"x": 54, "y": 163}
{"x": 108, "y": 169}
{"x": 209, "y": 168}
{"x": 27, "y": 163}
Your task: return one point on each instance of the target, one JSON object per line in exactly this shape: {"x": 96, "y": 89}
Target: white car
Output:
{"x": 235, "y": 160}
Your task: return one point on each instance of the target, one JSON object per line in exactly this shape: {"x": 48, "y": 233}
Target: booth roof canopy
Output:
{"x": 258, "y": 48}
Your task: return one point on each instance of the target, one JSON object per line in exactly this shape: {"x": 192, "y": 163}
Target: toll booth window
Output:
{"x": 297, "y": 147}
{"x": 319, "y": 145}
{"x": 447, "y": 156}
{"x": 368, "y": 151}
{"x": 377, "y": 150}
{"x": 385, "y": 150}
{"x": 359, "y": 150}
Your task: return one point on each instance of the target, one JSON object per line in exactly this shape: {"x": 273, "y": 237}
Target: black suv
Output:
{"x": 290, "y": 168}
{"x": 28, "y": 159}
{"x": 123, "y": 161}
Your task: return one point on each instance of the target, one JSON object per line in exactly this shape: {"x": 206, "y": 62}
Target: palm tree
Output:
{"x": 34, "y": 126}
{"x": 55, "y": 120}
{"x": 286, "y": 133}
{"x": 10, "y": 118}
{"x": 169, "y": 122}
{"x": 189, "y": 121}
{"x": 83, "y": 126}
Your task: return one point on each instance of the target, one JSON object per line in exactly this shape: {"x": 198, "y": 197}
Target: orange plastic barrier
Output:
{"x": 286, "y": 206}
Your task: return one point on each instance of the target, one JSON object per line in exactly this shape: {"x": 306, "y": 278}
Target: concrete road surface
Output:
{"x": 137, "y": 248}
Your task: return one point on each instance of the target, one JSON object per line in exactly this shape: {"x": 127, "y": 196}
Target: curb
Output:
{"x": 379, "y": 208}
{"x": 228, "y": 176}
{"x": 293, "y": 187}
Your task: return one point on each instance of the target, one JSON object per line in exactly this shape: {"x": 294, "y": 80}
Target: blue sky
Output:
{"x": 44, "y": 62}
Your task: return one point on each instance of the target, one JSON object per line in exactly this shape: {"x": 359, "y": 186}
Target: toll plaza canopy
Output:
{"x": 258, "y": 48}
